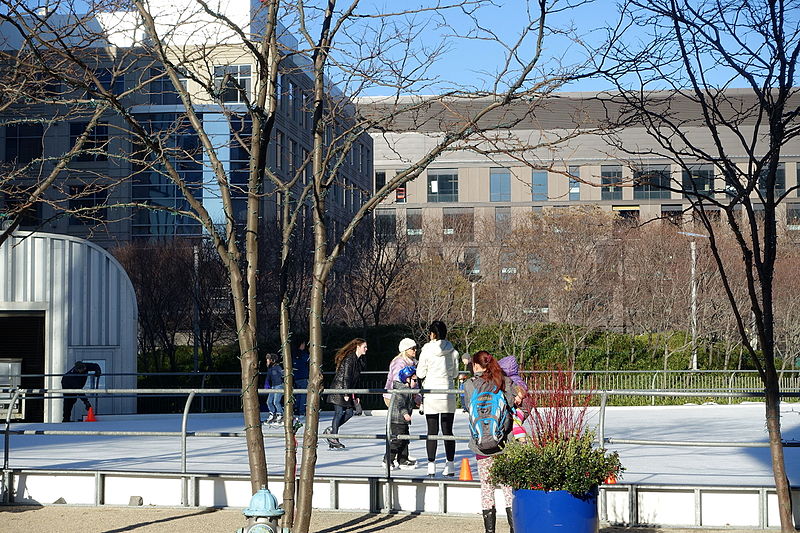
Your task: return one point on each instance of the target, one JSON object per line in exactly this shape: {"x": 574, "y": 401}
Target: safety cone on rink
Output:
{"x": 90, "y": 416}
{"x": 466, "y": 471}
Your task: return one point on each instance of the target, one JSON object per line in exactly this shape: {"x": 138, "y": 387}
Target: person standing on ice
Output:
{"x": 75, "y": 378}
{"x": 349, "y": 363}
{"x": 438, "y": 369}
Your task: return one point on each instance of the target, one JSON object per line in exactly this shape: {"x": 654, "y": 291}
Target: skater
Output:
{"x": 497, "y": 395}
{"x": 400, "y": 420}
{"x": 75, "y": 378}
{"x": 438, "y": 369}
{"x": 300, "y": 362}
{"x": 407, "y": 356}
{"x": 274, "y": 380}
{"x": 349, "y": 363}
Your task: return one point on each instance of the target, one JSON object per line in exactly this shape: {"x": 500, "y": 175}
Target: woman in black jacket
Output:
{"x": 349, "y": 364}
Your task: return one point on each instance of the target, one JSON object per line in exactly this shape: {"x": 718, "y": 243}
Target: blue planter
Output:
{"x": 537, "y": 511}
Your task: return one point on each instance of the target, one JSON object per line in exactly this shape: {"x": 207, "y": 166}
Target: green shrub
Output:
{"x": 571, "y": 464}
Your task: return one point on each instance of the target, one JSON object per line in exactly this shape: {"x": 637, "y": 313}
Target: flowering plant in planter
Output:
{"x": 557, "y": 452}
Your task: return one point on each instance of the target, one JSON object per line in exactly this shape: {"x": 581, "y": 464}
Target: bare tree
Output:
{"x": 697, "y": 52}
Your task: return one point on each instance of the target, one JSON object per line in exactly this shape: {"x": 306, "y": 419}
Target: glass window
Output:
{"x": 672, "y": 213}
{"x": 499, "y": 185}
{"x": 793, "y": 217}
{"x": 23, "y": 143}
{"x": 232, "y": 83}
{"x": 472, "y": 262}
{"x": 160, "y": 89}
{"x": 539, "y": 186}
{"x": 699, "y": 178}
{"x": 150, "y": 184}
{"x": 574, "y": 183}
{"x": 611, "y": 178}
{"x": 380, "y": 179}
{"x": 414, "y": 224}
{"x": 386, "y": 225}
{"x": 502, "y": 222}
{"x": 442, "y": 185}
{"x": 651, "y": 182}
{"x": 84, "y": 201}
{"x": 457, "y": 224}
{"x": 508, "y": 267}
{"x": 109, "y": 81}
{"x": 30, "y": 217}
{"x": 96, "y": 144}
{"x": 780, "y": 180}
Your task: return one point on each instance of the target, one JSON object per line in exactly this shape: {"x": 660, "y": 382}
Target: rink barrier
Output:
{"x": 382, "y": 491}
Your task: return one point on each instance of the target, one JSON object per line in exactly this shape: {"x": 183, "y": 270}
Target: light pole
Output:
{"x": 693, "y": 291}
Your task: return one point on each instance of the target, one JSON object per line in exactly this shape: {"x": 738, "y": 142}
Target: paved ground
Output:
{"x": 73, "y": 519}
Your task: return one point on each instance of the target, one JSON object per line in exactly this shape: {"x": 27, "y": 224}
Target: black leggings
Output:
{"x": 447, "y": 429}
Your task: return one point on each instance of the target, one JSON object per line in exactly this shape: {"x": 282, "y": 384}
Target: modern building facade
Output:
{"x": 557, "y": 156}
{"x": 113, "y": 170}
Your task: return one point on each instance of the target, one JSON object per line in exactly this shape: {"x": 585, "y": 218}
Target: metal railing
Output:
{"x": 191, "y": 394}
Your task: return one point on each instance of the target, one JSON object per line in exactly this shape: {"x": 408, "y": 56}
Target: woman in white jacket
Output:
{"x": 438, "y": 368}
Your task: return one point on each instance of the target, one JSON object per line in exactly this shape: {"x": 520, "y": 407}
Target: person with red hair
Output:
{"x": 486, "y": 369}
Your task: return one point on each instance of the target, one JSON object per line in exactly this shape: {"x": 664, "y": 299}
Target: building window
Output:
{"x": 508, "y": 267}
{"x": 414, "y": 224}
{"x": 85, "y": 204}
{"x": 651, "y": 182}
{"x": 472, "y": 262}
{"x": 442, "y": 185}
{"x": 96, "y": 144}
{"x": 108, "y": 81}
{"x": 161, "y": 90}
{"x": 400, "y": 195}
{"x": 793, "y": 217}
{"x": 499, "y": 185}
{"x": 539, "y": 186}
{"x": 574, "y": 183}
{"x": 502, "y": 222}
{"x": 23, "y": 143}
{"x": 386, "y": 225}
{"x": 380, "y": 179}
{"x": 627, "y": 214}
{"x": 457, "y": 224}
{"x": 698, "y": 179}
{"x": 150, "y": 184}
{"x": 672, "y": 214}
{"x": 232, "y": 83}
{"x": 30, "y": 217}
{"x": 780, "y": 180}
{"x": 610, "y": 179}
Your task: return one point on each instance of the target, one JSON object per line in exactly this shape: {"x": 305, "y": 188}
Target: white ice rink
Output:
{"x": 673, "y": 465}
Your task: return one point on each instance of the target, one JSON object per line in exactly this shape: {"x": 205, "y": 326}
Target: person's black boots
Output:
{"x": 510, "y": 522}
{"x": 489, "y": 517}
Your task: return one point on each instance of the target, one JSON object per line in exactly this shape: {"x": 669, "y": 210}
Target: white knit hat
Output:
{"x": 405, "y": 344}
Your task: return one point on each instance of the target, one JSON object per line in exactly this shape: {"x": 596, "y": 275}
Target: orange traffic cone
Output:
{"x": 466, "y": 470}
{"x": 90, "y": 416}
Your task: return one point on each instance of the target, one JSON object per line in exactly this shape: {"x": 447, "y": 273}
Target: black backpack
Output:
{"x": 490, "y": 419}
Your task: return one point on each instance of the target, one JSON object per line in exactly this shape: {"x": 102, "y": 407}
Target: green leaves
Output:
{"x": 574, "y": 465}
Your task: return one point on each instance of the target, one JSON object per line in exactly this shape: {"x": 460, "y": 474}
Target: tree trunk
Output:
{"x": 782, "y": 488}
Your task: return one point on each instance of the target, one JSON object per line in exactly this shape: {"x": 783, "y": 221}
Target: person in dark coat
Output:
{"x": 349, "y": 363}
{"x": 300, "y": 363}
{"x": 75, "y": 378}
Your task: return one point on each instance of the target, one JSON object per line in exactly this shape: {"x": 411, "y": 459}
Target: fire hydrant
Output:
{"x": 262, "y": 514}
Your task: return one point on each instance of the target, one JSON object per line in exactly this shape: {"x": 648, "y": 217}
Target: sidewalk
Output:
{"x": 77, "y": 519}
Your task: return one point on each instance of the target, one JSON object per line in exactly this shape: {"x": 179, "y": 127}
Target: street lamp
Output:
{"x": 693, "y": 291}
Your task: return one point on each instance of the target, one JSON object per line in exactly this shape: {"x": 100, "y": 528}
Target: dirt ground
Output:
{"x": 107, "y": 519}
